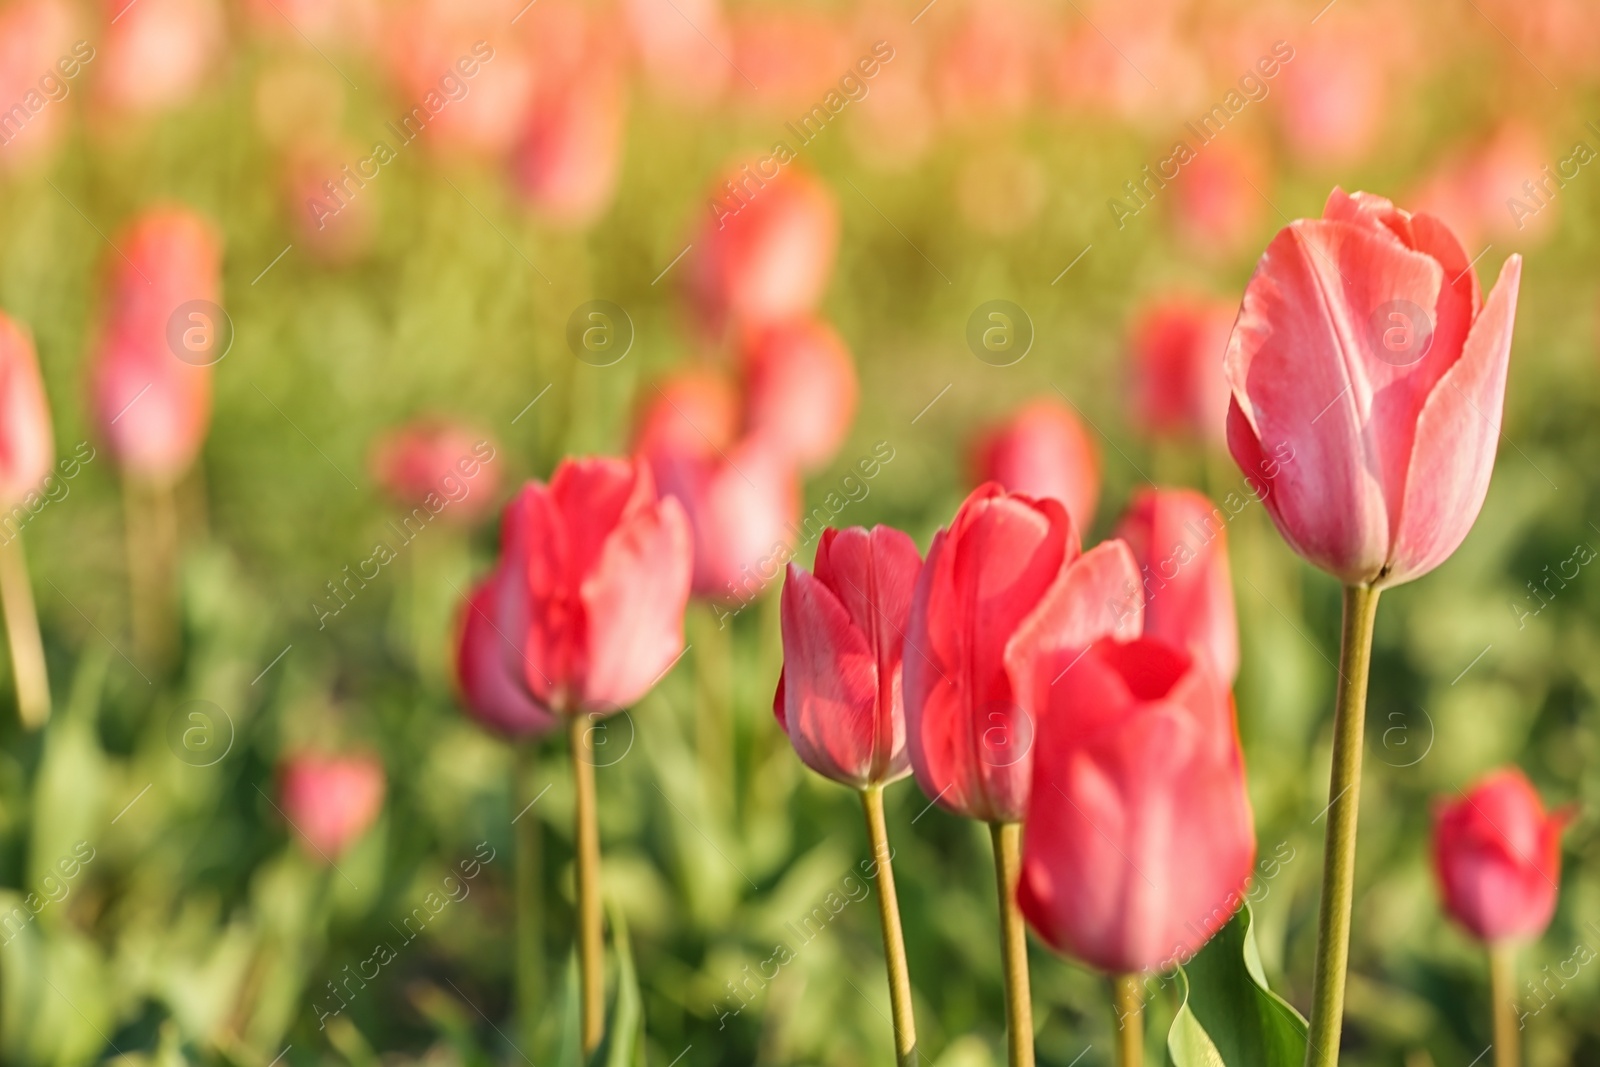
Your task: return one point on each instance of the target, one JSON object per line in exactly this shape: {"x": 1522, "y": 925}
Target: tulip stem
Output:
{"x": 530, "y": 892}
{"x": 1339, "y": 847}
{"x": 587, "y": 843}
{"x": 894, "y": 942}
{"x": 1013, "y": 943}
{"x": 1502, "y": 979}
{"x": 150, "y": 514}
{"x": 1128, "y": 1003}
{"x": 22, "y": 631}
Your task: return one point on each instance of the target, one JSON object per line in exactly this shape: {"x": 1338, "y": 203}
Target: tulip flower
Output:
{"x": 1043, "y": 451}
{"x": 583, "y": 616}
{"x": 37, "y": 56}
{"x": 766, "y": 249}
{"x": 1004, "y": 585}
{"x": 330, "y": 801}
{"x": 1177, "y": 347}
{"x": 840, "y": 700}
{"x": 570, "y": 154}
{"x": 692, "y": 411}
{"x": 681, "y": 48}
{"x": 1139, "y": 838}
{"x": 1497, "y": 856}
{"x": 1368, "y": 374}
{"x": 26, "y": 452}
{"x": 156, "y": 55}
{"x": 800, "y": 390}
{"x": 1180, "y": 541}
{"x": 439, "y": 465}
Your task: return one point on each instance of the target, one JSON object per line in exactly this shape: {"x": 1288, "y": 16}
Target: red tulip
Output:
{"x": 157, "y": 53}
{"x": 800, "y": 390}
{"x": 331, "y": 800}
{"x": 26, "y": 446}
{"x": 767, "y": 246}
{"x": 36, "y": 56}
{"x": 1368, "y": 376}
{"x": 587, "y": 606}
{"x": 839, "y": 696}
{"x": 1004, "y": 584}
{"x": 151, "y": 377}
{"x": 1497, "y": 856}
{"x": 1139, "y": 838}
{"x": 450, "y": 463}
{"x": 1180, "y": 541}
{"x": 1179, "y": 386}
{"x": 693, "y": 411}
{"x": 1042, "y": 450}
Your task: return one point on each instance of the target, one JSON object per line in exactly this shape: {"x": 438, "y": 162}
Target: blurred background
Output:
{"x": 1021, "y": 203}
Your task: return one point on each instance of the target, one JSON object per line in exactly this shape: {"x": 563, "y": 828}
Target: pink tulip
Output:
{"x": 691, "y": 411}
{"x": 39, "y": 70}
{"x": 1179, "y": 386}
{"x": 570, "y": 154}
{"x": 1139, "y": 837}
{"x": 800, "y": 390}
{"x": 1497, "y": 857}
{"x": 766, "y": 248}
{"x": 587, "y": 606}
{"x": 988, "y": 66}
{"x": 796, "y": 56}
{"x": 1042, "y": 450}
{"x": 330, "y": 801}
{"x": 839, "y": 696}
{"x": 150, "y": 382}
{"x": 26, "y": 446}
{"x": 1004, "y": 585}
{"x": 1332, "y": 97}
{"x": 450, "y": 463}
{"x": 1180, "y": 541}
{"x": 333, "y": 226}
{"x": 1506, "y": 189}
{"x": 157, "y": 53}
{"x": 1368, "y": 376}
{"x": 1217, "y": 205}
{"x": 681, "y": 47}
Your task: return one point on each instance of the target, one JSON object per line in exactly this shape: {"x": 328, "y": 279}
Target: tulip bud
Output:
{"x": 1179, "y": 385}
{"x": 1180, "y": 541}
{"x": 800, "y": 390}
{"x": 1139, "y": 838}
{"x": 26, "y": 446}
{"x": 1497, "y": 856}
{"x": 1043, "y": 451}
{"x": 1368, "y": 376}
{"x": 441, "y": 460}
{"x": 330, "y": 801}
{"x": 839, "y": 695}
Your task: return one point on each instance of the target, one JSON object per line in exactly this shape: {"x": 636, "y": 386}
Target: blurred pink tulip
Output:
{"x": 1217, "y": 205}
{"x": 332, "y": 226}
{"x": 800, "y": 390}
{"x": 323, "y": 23}
{"x": 150, "y": 375}
{"x": 330, "y": 801}
{"x": 1497, "y": 858}
{"x": 1505, "y": 190}
{"x": 36, "y": 55}
{"x": 989, "y": 62}
{"x": 693, "y": 411}
{"x": 1332, "y": 97}
{"x": 1043, "y": 451}
{"x": 157, "y": 53}
{"x": 26, "y": 446}
{"x": 796, "y": 56}
{"x": 570, "y": 154}
{"x": 443, "y": 460}
{"x": 1177, "y": 346}
{"x": 682, "y": 46}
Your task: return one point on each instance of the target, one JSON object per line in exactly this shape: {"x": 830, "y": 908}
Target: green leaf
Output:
{"x": 1229, "y": 1017}
{"x": 625, "y": 1033}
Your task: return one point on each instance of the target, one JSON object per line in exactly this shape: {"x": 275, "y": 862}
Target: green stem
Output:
{"x": 529, "y": 890}
{"x": 22, "y": 630}
{"x": 1013, "y": 943}
{"x": 586, "y": 836}
{"x": 1502, "y": 980}
{"x": 894, "y": 942}
{"x": 1129, "y": 1002}
{"x": 1339, "y": 848}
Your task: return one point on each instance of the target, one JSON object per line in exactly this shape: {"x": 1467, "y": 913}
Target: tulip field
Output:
{"x": 751, "y": 533}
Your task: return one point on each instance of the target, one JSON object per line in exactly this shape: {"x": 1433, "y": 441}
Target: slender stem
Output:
{"x": 894, "y": 942}
{"x": 530, "y": 892}
{"x": 22, "y": 630}
{"x": 1502, "y": 980}
{"x": 1129, "y": 1004}
{"x": 151, "y": 521}
{"x": 587, "y": 841}
{"x": 1013, "y": 943}
{"x": 1339, "y": 848}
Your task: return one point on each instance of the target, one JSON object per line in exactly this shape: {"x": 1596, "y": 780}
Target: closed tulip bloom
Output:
{"x": 1004, "y": 584}
{"x": 1139, "y": 838}
{"x": 839, "y": 694}
{"x": 330, "y": 801}
{"x": 693, "y": 411}
{"x": 1043, "y": 451}
{"x": 26, "y": 446}
{"x": 150, "y": 382}
{"x": 800, "y": 390}
{"x": 1180, "y": 541}
{"x": 594, "y": 572}
{"x": 441, "y": 460}
{"x": 767, "y": 247}
{"x": 1366, "y": 357}
{"x": 1497, "y": 856}
{"x": 491, "y": 664}
{"x": 1177, "y": 346}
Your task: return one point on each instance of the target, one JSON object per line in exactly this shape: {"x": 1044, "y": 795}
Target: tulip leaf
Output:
{"x": 1229, "y": 1018}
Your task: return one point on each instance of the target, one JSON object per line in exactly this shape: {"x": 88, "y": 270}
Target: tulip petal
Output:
{"x": 488, "y": 664}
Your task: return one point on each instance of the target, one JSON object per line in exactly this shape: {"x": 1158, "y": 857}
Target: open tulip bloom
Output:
{"x": 1365, "y": 350}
